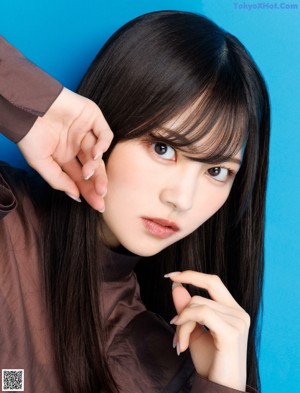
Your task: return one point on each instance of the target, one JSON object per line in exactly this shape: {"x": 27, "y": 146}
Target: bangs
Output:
{"x": 179, "y": 79}
{"x": 214, "y": 128}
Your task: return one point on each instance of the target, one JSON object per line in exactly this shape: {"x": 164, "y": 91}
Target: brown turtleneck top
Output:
{"x": 140, "y": 349}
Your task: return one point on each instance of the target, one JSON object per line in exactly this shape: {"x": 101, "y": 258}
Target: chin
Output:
{"x": 142, "y": 253}
{"x": 147, "y": 250}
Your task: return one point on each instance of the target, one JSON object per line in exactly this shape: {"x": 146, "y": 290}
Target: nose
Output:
{"x": 180, "y": 188}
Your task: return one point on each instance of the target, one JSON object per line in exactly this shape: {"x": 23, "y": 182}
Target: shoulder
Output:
{"x": 8, "y": 201}
{"x": 23, "y": 196}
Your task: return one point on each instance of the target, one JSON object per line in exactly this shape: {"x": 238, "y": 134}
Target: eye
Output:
{"x": 219, "y": 173}
{"x": 164, "y": 151}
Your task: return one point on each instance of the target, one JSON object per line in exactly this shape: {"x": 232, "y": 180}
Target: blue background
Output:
{"x": 63, "y": 37}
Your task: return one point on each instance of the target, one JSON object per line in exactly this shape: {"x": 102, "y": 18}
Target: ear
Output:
{"x": 181, "y": 297}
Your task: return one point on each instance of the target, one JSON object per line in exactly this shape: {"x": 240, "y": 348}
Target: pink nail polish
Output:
{"x": 178, "y": 349}
{"x": 174, "y": 340}
{"x": 172, "y": 274}
{"x": 176, "y": 284}
{"x": 98, "y": 155}
{"x": 173, "y": 320}
{"x": 73, "y": 197}
{"x": 89, "y": 175}
{"x": 103, "y": 194}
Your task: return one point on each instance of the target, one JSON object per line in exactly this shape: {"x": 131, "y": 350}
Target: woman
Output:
{"x": 186, "y": 192}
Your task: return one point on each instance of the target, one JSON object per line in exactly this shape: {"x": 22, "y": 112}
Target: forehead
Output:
{"x": 208, "y": 138}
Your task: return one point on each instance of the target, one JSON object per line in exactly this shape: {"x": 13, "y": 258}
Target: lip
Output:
{"x": 160, "y": 227}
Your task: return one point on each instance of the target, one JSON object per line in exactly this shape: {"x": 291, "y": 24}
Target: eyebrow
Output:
{"x": 230, "y": 159}
{"x": 171, "y": 134}
{"x": 185, "y": 141}
{"x": 235, "y": 160}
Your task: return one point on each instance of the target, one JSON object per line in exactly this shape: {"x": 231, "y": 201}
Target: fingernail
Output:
{"x": 172, "y": 274}
{"x": 89, "y": 175}
{"x": 102, "y": 210}
{"x": 176, "y": 284}
{"x": 103, "y": 194}
{"x": 173, "y": 320}
{"x": 98, "y": 155}
{"x": 73, "y": 197}
{"x": 174, "y": 340}
{"x": 178, "y": 349}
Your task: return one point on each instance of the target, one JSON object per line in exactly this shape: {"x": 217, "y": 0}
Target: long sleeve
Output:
{"x": 26, "y": 92}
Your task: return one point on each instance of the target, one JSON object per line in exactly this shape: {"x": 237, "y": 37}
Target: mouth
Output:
{"x": 160, "y": 227}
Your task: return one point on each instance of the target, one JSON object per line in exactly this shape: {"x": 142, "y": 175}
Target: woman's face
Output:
{"x": 158, "y": 195}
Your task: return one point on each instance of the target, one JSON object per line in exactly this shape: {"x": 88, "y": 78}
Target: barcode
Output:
{"x": 13, "y": 380}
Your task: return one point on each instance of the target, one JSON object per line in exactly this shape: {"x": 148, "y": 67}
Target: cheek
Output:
{"x": 122, "y": 172}
{"x": 131, "y": 171}
{"x": 207, "y": 204}
{"x": 216, "y": 201}
{"x": 132, "y": 182}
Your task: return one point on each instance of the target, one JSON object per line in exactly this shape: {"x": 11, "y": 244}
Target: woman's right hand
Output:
{"x": 66, "y": 145}
{"x": 219, "y": 353}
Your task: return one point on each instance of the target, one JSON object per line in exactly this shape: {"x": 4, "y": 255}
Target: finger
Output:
{"x": 212, "y": 283}
{"x": 89, "y": 193}
{"x": 104, "y": 136}
{"x": 86, "y": 187}
{"x": 223, "y": 308}
{"x": 200, "y": 312}
{"x": 92, "y": 119}
{"x": 56, "y": 177}
{"x": 99, "y": 180}
{"x": 181, "y": 297}
{"x": 99, "y": 123}
{"x": 227, "y": 330}
{"x": 188, "y": 320}
{"x": 98, "y": 175}
{"x": 103, "y": 144}
{"x": 183, "y": 335}
{"x": 175, "y": 340}
{"x": 93, "y": 169}
{"x": 89, "y": 165}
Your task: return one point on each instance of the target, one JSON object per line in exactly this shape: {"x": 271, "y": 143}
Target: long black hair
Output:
{"x": 151, "y": 70}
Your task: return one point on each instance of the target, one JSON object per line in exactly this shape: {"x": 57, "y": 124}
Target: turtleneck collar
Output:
{"x": 118, "y": 263}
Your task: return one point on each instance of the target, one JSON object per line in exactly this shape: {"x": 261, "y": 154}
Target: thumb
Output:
{"x": 181, "y": 297}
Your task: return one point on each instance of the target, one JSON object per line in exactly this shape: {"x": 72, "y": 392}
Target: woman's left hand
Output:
{"x": 219, "y": 353}
{"x": 66, "y": 145}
